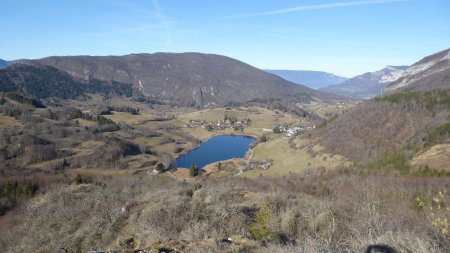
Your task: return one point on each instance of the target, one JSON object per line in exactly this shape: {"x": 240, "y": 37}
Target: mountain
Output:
{"x": 4, "y": 64}
{"x": 430, "y": 73}
{"x": 44, "y": 81}
{"x": 312, "y": 79}
{"x": 367, "y": 85}
{"x": 185, "y": 78}
{"x": 412, "y": 115}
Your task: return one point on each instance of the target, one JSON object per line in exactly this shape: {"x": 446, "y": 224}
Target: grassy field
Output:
{"x": 9, "y": 122}
{"x": 130, "y": 118}
{"x": 326, "y": 110}
{"x": 260, "y": 117}
{"x": 288, "y": 160}
{"x": 437, "y": 157}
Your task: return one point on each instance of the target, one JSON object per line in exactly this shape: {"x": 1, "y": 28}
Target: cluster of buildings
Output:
{"x": 261, "y": 165}
{"x": 288, "y": 132}
{"x": 217, "y": 125}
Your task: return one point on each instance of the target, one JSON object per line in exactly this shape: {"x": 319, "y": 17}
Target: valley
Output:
{"x": 145, "y": 134}
{"x": 88, "y": 150}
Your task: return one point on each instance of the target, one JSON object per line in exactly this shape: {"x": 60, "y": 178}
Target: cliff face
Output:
{"x": 430, "y": 73}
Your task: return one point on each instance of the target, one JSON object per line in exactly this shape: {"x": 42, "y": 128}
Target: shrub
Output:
{"x": 264, "y": 138}
{"x": 83, "y": 179}
{"x": 437, "y": 135}
{"x": 160, "y": 167}
{"x": 259, "y": 230}
{"x": 277, "y": 130}
{"x": 389, "y": 162}
{"x": 439, "y": 213}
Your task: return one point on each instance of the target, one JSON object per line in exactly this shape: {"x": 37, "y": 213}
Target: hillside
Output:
{"x": 4, "y": 64}
{"x": 46, "y": 82}
{"x": 373, "y": 128}
{"x": 312, "y": 79}
{"x": 413, "y": 115}
{"x": 367, "y": 85}
{"x": 189, "y": 78}
{"x": 430, "y": 73}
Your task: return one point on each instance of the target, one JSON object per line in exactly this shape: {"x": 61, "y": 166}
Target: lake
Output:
{"x": 218, "y": 148}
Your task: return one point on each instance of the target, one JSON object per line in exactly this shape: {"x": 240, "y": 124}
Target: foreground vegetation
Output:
{"x": 328, "y": 211}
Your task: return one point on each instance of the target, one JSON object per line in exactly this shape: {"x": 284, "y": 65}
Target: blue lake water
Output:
{"x": 218, "y": 148}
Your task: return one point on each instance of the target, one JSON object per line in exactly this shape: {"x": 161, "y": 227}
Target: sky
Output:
{"x": 344, "y": 37}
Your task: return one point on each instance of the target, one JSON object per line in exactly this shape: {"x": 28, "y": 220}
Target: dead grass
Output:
{"x": 9, "y": 122}
{"x": 315, "y": 212}
{"x": 437, "y": 157}
{"x": 125, "y": 117}
{"x": 325, "y": 110}
{"x": 288, "y": 160}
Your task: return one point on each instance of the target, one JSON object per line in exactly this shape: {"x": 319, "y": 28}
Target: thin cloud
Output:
{"x": 164, "y": 22}
{"x": 313, "y": 7}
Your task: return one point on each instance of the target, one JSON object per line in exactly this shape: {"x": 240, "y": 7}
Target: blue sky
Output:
{"x": 345, "y": 37}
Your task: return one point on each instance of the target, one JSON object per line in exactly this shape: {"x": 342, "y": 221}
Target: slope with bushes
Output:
{"x": 317, "y": 212}
{"x": 410, "y": 121}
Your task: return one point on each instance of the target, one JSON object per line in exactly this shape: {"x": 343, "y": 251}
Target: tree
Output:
{"x": 65, "y": 163}
{"x": 193, "y": 171}
{"x": 160, "y": 167}
{"x": 219, "y": 166}
{"x": 277, "y": 130}
{"x": 79, "y": 179}
{"x": 31, "y": 189}
{"x": 263, "y": 138}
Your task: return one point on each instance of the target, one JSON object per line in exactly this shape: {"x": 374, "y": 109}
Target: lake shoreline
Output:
{"x": 245, "y": 157}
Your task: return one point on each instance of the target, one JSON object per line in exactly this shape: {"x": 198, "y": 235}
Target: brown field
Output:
{"x": 437, "y": 157}
{"x": 290, "y": 160}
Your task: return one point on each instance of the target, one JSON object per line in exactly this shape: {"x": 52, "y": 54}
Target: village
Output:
{"x": 287, "y": 131}
{"x": 226, "y": 122}
{"x": 236, "y": 124}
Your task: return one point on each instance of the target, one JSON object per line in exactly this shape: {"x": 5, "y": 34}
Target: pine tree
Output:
{"x": 160, "y": 167}
{"x": 193, "y": 171}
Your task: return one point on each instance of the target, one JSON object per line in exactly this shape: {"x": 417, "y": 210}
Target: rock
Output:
{"x": 225, "y": 242}
{"x": 167, "y": 250}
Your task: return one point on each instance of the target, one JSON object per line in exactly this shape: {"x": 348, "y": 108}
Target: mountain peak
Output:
{"x": 432, "y": 72}
{"x": 369, "y": 84}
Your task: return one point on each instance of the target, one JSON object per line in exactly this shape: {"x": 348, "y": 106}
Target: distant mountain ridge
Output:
{"x": 4, "y": 64}
{"x": 312, "y": 79}
{"x": 367, "y": 85}
{"x": 185, "y": 78}
{"x": 430, "y": 73}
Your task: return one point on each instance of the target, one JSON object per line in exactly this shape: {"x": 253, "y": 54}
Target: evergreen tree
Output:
{"x": 193, "y": 171}
{"x": 160, "y": 167}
